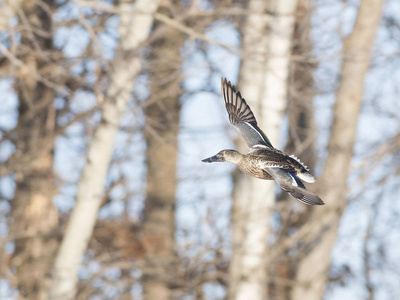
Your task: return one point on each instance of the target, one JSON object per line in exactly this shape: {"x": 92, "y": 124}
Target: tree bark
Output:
{"x": 301, "y": 143}
{"x": 321, "y": 228}
{"x": 34, "y": 217}
{"x": 301, "y": 135}
{"x": 161, "y": 134}
{"x": 133, "y": 31}
{"x": 263, "y": 82}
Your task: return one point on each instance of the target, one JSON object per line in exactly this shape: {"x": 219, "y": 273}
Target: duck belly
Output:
{"x": 256, "y": 172}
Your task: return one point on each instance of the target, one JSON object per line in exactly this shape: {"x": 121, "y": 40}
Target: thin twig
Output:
{"x": 17, "y": 62}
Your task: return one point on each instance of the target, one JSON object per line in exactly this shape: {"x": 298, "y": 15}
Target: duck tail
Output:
{"x": 305, "y": 176}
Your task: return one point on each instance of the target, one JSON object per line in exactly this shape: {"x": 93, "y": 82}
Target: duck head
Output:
{"x": 225, "y": 155}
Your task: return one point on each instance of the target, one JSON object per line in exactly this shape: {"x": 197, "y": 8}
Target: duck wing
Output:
{"x": 274, "y": 158}
{"x": 289, "y": 182}
{"x": 241, "y": 116}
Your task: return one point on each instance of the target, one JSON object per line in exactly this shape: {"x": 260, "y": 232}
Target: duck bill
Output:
{"x": 214, "y": 158}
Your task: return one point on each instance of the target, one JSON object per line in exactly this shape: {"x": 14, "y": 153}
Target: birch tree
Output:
{"x": 133, "y": 30}
{"x": 320, "y": 232}
{"x": 263, "y": 82}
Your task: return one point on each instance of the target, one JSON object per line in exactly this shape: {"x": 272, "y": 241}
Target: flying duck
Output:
{"x": 262, "y": 161}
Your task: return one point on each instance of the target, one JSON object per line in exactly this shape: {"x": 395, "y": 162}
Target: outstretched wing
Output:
{"x": 241, "y": 116}
{"x": 291, "y": 184}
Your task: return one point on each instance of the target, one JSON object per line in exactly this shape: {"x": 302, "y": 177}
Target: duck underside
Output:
{"x": 256, "y": 172}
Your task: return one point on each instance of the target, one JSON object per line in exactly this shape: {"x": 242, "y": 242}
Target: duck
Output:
{"x": 262, "y": 161}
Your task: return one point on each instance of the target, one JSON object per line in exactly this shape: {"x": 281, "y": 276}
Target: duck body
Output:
{"x": 263, "y": 161}
{"x": 250, "y": 164}
{"x": 265, "y": 157}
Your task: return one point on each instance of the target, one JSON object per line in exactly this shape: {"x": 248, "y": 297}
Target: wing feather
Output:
{"x": 285, "y": 181}
{"x": 241, "y": 116}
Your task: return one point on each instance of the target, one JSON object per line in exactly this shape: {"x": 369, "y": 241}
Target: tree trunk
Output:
{"x": 321, "y": 229}
{"x": 301, "y": 89}
{"x": 133, "y": 30}
{"x": 301, "y": 143}
{"x": 263, "y": 82}
{"x": 161, "y": 134}
{"x": 34, "y": 218}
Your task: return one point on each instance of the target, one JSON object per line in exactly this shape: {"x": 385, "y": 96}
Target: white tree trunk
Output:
{"x": 133, "y": 30}
{"x": 263, "y": 83}
{"x": 321, "y": 228}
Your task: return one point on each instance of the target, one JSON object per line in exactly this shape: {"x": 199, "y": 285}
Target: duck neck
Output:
{"x": 235, "y": 157}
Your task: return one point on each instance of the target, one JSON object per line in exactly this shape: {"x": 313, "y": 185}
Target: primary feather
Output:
{"x": 241, "y": 116}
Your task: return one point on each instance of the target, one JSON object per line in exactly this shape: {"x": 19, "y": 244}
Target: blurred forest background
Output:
{"x": 108, "y": 107}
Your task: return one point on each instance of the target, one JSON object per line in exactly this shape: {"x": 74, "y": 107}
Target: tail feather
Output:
{"x": 306, "y": 176}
